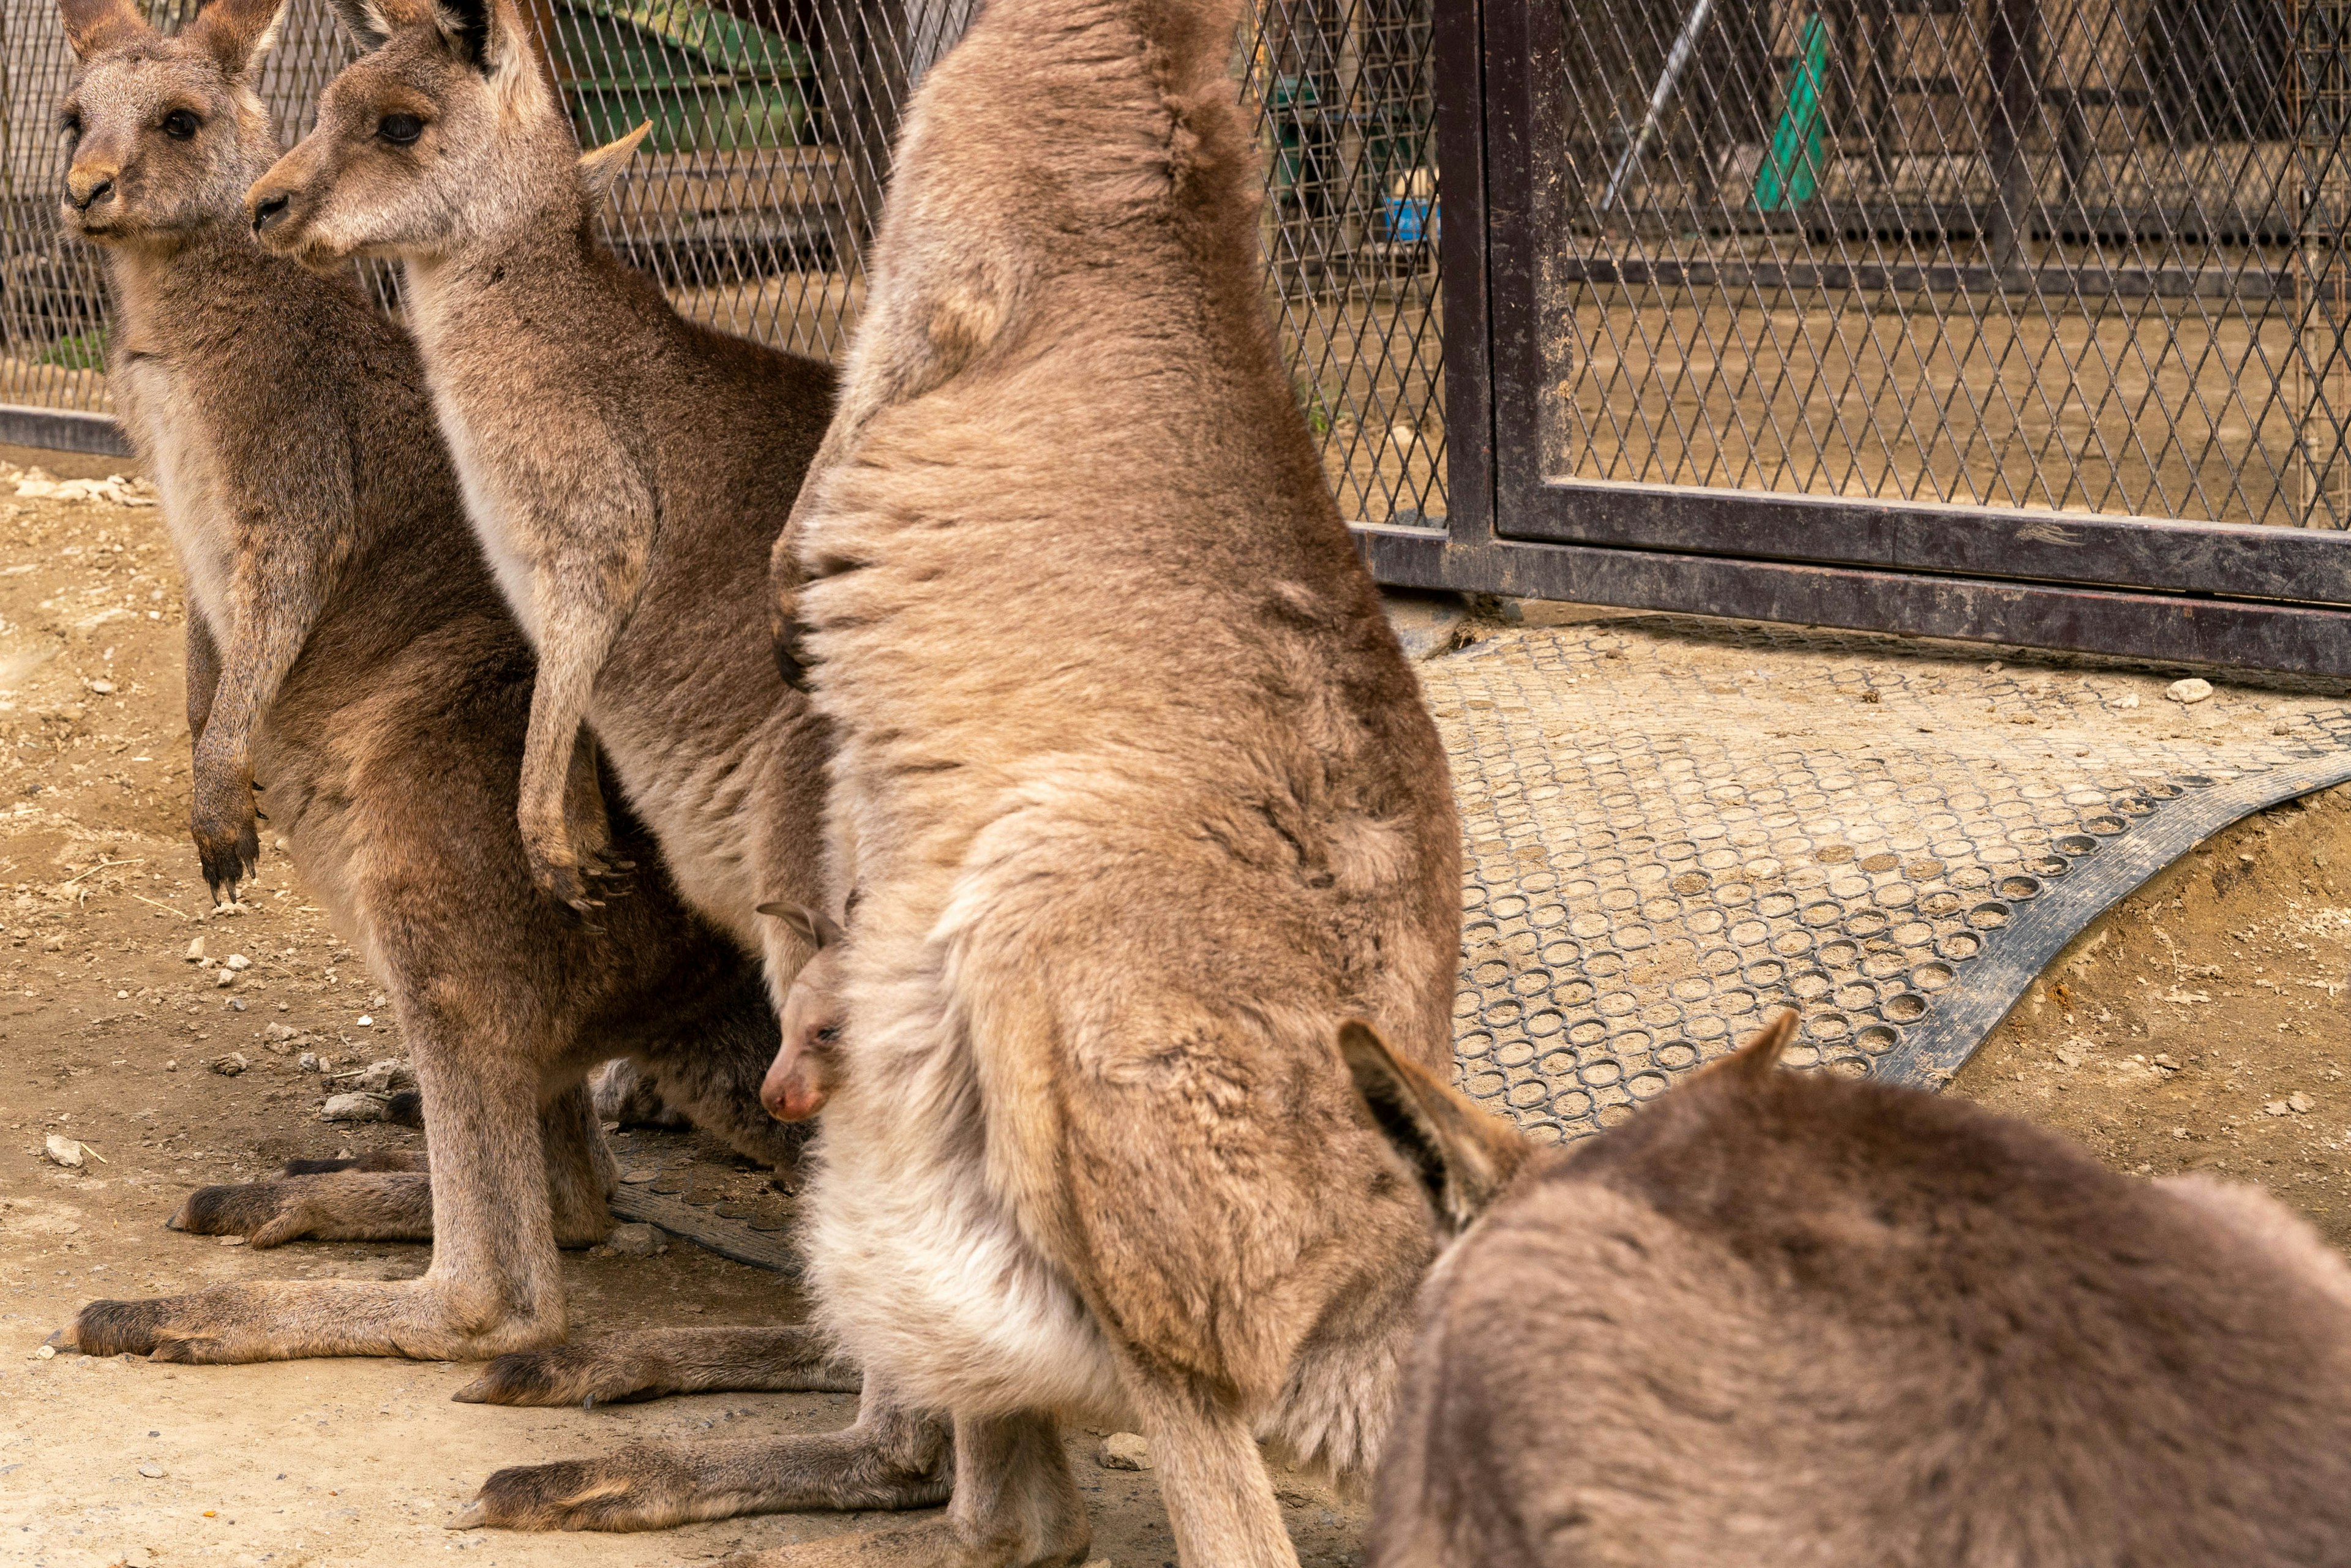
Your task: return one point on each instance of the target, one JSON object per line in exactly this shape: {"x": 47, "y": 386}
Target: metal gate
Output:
{"x": 756, "y": 194}
{"x": 2013, "y": 319}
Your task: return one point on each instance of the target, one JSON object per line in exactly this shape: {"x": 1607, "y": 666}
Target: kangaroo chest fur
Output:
{"x": 165, "y": 419}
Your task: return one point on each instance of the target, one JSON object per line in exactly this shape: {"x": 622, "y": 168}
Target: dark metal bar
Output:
{"x": 1460, "y": 88}
{"x": 2241, "y": 559}
{"x": 2247, "y": 284}
{"x": 2226, "y": 634}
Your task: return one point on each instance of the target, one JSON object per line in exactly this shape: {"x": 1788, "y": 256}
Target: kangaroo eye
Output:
{"x": 828, "y": 1033}
{"x": 71, "y": 125}
{"x": 178, "y": 125}
{"x": 399, "y": 130}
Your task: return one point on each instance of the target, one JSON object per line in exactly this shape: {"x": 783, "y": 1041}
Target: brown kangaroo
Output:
{"x": 346, "y": 646}
{"x": 1142, "y": 806}
{"x": 627, "y": 473}
{"x": 1784, "y": 1320}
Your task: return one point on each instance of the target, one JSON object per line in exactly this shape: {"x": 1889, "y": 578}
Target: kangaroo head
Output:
{"x": 807, "y": 1064}
{"x": 443, "y": 134}
{"x": 165, "y": 132}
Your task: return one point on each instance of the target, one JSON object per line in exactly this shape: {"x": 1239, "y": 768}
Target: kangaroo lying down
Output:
{"x": 346, "y": 647}
{"x": 1141, "y": 804}
{"x": 1779, "y": 1319}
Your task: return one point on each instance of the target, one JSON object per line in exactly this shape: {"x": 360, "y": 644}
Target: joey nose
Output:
{"x": 270, "y": 210}
{"x": 87, "y": 186}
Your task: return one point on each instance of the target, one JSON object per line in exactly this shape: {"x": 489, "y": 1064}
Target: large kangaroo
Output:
{"x": 346, "y": 647}
{"x": 1143, "y": 808}
{"x": 1791, "y": 1322}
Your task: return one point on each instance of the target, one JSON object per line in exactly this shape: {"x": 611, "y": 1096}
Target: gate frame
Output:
{"x": 2251, "y": 596}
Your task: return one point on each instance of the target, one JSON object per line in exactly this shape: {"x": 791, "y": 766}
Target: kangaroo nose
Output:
{"x": 268, "y": 211}
{"x": 87, "y": 187}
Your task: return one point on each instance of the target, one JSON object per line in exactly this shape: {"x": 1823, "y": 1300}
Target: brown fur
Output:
{"x": 627, "y": 473}
{"x": 1782, "y": 1320}
{"x": 1142, "y": 806}
{"x": 347, "y": 647}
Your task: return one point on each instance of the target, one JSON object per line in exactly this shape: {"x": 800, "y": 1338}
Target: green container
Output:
{"x": 706, "y": 80}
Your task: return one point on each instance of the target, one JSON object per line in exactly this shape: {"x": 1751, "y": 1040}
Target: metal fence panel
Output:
{"x": 2045, "y": 254}
{"x": 755, "y": 197}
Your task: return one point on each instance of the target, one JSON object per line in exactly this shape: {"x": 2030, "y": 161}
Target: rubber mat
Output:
{"x": 1675, "y": 825}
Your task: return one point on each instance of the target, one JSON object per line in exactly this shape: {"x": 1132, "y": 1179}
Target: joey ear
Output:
{"x": 599, "y": 169}
{"x": 1463, "y": 1157}
{"x": 811, "y": 925}
{"x": 364, "y": 22}
{"x": 238, "y": 33}
{"x": 93, "y": 25}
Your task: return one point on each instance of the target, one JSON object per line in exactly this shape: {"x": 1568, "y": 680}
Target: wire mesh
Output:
{"x": 755, "y": 197}
{"x": 1999, "y": 252}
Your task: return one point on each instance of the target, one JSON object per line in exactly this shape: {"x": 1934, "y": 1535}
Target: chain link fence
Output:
{"x": 2072, "y": 253}
{"x": 755, "y": 197}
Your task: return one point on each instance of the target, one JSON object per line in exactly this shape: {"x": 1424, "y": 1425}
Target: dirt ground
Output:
{"x": 2197, "y": 1026}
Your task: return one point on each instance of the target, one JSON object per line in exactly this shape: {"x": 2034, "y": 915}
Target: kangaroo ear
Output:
{"x": 364, "y": 22}
{"x": 811, "y": 925}
{"x": 1759, "y": 1057}
{"x": 1463, "y": 1156}
{"x": 599, "y": 169}
{"x": 238, "y": 33}
{"x": 93, "y": 26}
{"x": 491, "y": 36}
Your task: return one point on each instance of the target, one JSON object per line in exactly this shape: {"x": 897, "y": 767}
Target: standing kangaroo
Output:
{"x": 1142, "y": 807}
{"x": 346, "y": 647}
{"x": 627, "y": 473}
{"x": 1791, "y": 1322}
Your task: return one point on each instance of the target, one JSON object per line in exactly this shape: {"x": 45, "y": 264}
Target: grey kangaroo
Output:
{"x": 348, "y": 648}
{"x": 1792, "y": 1321}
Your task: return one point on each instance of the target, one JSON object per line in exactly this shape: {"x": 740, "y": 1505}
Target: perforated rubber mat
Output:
{"x": 1675, "y": 825}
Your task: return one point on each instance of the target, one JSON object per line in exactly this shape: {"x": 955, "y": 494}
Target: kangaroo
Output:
{"x": 629, "y": 520}
{"x": 1142, "y": 806}
{"x": 1780, "y": 1318}
{"x": 346, "y": 647}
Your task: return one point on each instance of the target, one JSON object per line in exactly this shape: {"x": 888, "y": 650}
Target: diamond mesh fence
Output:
{"x": 2072, "y": 253}
{"x": 756, "y": 195}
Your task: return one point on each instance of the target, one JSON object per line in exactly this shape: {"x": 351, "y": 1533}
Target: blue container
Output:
{"x": 1412, "y": 220}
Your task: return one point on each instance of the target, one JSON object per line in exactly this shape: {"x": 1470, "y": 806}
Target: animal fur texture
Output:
{"x": 347, "y": 649}
{"x": 1140, "y": 801}
{"x": 1793, "y": 1322}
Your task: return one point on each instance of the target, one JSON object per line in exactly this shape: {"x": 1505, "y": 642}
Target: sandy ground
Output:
{"x": 2197, "y": 1026}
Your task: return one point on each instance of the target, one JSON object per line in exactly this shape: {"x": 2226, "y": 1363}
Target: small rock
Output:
{"x": 103, "y": 688}
{"x": 280, "y": 1032}
{"x": 353, "y": 1108}
{"x": 2069, "y": 1056}
{"x": 2129, "y": 699}
{"x": 46, "y": 1352}
{"x": 65, "y": 1151}
{"x": 1123, "y": 1451}
{"x": 365, "y": 1021}
{"x": 172, "y": 1065}
{"x": 2277, "y": 1108}
{"x": 638, "y": 1240}
{"x": 2163, "y": 1060}
{"x": 225, "y": 977}
{"x": 231, "y": 1241}
{"x": 232, "y": 1064}
{"x": 387, "y": 1077}
{"x": 238, "y": 962}
{"x": 2299, "y": 1103}
{"x": 308, "y": 1062}
{"x": 2191, "y": 690}
{"x": 151, "y": 1470}
{"x": 53, "y": 945}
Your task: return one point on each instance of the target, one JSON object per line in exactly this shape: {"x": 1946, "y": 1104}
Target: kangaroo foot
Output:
{"x": 391, "y": 1160}
{"x": 894, "y": 1464}
{"x": 646, "y": 1364}
{"x": 934, "y": 1543}
{"x": 287, "y": 1319}
{"x": 340, "y": 1205}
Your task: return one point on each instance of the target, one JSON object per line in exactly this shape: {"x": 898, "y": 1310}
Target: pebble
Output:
{"x": 2191, "y": 690}
{"x": 195, "y": 953}
{"x": 2299, "y": 1103}
{"x": 238, "y": 962}
{"x": 65, "y": 1151}
{"x": 352, "y": 1108}
{"x": 225, "y": 977}
{"x": 53, "y": 945}
{"x": 2277, "y": 1108}
{"x": 2163, "y": 1059}
{"x": 386, "y": 1077}
{"x": 1123, "y": 1451}
{"x": 639, "y": 1240}
{"x": 46, "y": 1352}
{"x": 280, "y": 1032}
{"x": 308, "y": 1062}
{"x": 232, "y": 1064}
{"x": 103, "y": 688}
{"x": 366, "y": 1022}
{"x": 151, "y": 1470}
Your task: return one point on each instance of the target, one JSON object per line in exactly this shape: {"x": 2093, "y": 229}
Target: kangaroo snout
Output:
{"x": 89, "y": 185}
{"x": 268, "y": 209}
